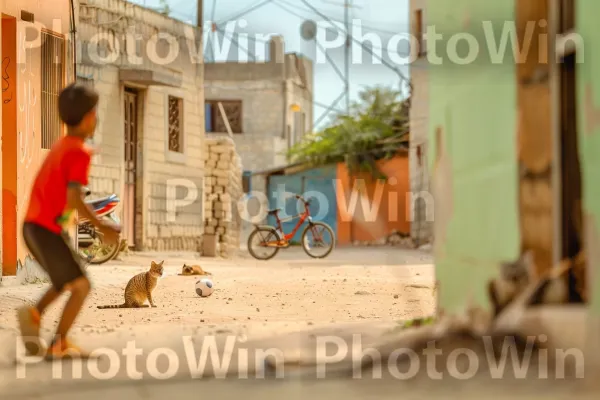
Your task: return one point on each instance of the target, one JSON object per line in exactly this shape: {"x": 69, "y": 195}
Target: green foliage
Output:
{"x": 164, "y": 8}
{"x": 377, "y": 128}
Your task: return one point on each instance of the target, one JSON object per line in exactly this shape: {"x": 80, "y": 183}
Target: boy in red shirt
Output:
{"x": 56, "y": 193}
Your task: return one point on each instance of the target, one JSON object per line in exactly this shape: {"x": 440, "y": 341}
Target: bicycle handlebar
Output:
{"x": 302, "y": 198}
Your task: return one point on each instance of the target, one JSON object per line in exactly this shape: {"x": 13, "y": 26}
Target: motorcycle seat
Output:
{"x": 103, "y": 201}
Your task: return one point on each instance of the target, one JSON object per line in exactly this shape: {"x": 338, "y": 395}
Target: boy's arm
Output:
{"x": 75, "y": 201}
{"x": 78, "y": 166}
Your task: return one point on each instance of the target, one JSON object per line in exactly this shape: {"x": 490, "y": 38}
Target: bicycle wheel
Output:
{"x": 267, "y": 239}
{"x": 319, "y": 231}
{"x": 99, "y": 252}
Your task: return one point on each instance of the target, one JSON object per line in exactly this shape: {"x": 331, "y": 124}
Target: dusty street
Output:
{"x": 370, "y": 288}
{"x": 253, "y": 298}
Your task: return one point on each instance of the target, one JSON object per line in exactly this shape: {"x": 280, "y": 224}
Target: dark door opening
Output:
{"x": 572, "y": 226}
{"x": 131, "y": 140}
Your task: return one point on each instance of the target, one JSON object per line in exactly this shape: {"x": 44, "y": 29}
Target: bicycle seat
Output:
{"x": 274, "y": 211}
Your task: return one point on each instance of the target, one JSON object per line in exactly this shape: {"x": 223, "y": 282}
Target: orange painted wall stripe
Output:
{"x": 369, "y": 210}
{"x": 9, "y": 145}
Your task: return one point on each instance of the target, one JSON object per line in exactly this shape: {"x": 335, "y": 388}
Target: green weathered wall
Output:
{"x": 588, "y": 87}
{"x": 475, "y": 105}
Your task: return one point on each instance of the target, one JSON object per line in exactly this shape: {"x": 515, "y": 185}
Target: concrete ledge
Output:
{"x": 149, "y": 77}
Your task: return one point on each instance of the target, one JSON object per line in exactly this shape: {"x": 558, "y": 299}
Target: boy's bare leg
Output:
{"x": 47, "y": 299}
{"x": 30, "y": 322}
{"x": 79, "y": 289}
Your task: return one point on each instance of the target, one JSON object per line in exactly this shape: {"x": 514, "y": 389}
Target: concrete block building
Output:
{"x": 269, "y": 105}
{"x": 151, "y": 127}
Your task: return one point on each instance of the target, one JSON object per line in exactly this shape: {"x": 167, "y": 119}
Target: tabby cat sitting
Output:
{"x": 140, "y": 287}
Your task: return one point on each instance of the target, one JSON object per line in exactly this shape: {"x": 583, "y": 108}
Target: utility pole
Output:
{"x": 199, "y": 29}
{"x": 347, "y": 6}
{"x": 200, "y": 16}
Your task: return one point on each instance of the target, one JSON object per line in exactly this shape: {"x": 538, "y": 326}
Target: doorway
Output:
{"x": 131, "y": 164}
{"x": 571, "y": 193}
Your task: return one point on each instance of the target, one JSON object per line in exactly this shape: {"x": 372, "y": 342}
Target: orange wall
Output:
{"x": 21, "y": 117}
{"x": 380, "y": 207}
{"x": 9, "y": 145}
{"x": 30, "y": 153}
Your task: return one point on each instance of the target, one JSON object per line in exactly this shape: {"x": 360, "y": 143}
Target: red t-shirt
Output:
{"x": 67, "y": 162}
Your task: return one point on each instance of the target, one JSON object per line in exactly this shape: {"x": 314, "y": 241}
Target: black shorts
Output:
{"x": 54, "y": 254}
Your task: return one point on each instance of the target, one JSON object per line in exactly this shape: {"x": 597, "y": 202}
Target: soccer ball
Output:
{"x": 204, "y": 287}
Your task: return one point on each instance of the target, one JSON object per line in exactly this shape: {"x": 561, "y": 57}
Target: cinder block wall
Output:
{"x": 184, "y": 233}
{"x": 222, "y": 191}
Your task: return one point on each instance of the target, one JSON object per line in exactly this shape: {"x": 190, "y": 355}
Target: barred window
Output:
{"x": 214, "y": 120}
{"x": 175, "y": 124}
{"x": 53, "y": 80}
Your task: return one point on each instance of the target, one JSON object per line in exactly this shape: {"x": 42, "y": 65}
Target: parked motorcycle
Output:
{"x": 89, "y": 240}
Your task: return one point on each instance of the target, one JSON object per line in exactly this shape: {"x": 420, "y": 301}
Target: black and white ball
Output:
{"x": 204, "y": 287}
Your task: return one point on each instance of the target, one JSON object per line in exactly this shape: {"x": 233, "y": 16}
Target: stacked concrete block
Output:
{"x": 222, "y": 191}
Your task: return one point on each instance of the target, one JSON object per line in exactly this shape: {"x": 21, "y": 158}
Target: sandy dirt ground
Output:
{"x": 259, "y": 300}
{"x": 251, "y": 297}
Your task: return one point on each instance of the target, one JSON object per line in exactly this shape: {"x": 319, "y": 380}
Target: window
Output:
{"x": 175, "y": 111}
{"x": 52, "y": 67}
{"x": 418, "y": 32}
{"x": 213, "y": 120}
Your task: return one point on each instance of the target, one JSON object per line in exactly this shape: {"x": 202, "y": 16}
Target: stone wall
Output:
{"x": 222, "y": 191}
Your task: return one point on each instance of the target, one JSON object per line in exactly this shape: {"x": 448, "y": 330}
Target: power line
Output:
{"x": 255, "y": 7}
{"x": 329, "y": 109}
{"x": 237, "y": 44}
{"x": 304, "y": 18}
{"x": 384, "y": 62}
{"x": 212, "y": 18}
{"x": 213, "y": 11}
{"x": 347, "y": 53}
{"x": 371, "y": 28}
{"x": 331, "y": 61}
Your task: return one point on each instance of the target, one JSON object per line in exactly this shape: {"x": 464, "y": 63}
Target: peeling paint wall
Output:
{"x": 472, "y": 155}
{"x": 588, "y": 88}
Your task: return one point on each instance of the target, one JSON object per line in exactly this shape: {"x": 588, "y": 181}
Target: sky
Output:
{"x": 383, "y": 18}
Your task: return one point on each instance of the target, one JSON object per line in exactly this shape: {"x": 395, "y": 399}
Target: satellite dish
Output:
{"x": 308, "y": 30}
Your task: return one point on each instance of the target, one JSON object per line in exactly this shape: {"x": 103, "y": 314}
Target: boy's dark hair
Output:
{"x": 74, "y": 102}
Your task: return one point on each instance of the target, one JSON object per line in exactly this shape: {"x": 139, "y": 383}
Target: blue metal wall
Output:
{"x": 319, "y": 181}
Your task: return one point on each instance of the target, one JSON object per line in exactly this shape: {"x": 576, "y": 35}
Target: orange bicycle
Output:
{"x": 273, "y": 238}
